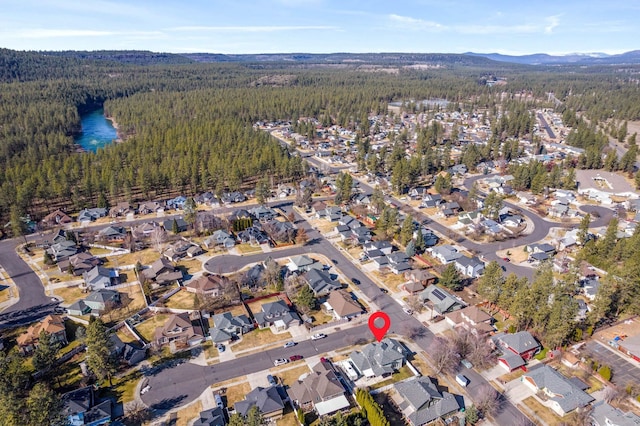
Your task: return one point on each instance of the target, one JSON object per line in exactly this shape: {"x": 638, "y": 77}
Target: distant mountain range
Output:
{"x": 355, "y": 59}
{"x": 632, "y": 57}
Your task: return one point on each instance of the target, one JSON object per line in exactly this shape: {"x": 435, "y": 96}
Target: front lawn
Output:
{"x": 145, "y": 257}
{"x": 288, "y": 377}
{"x": 147, "y": 328}
{"x": 547, "y": 416}
{"x": 257, "y": 338}
{"x": 248, "y": 249}
{"x": 188, "y": 413}
{"x": 124, "y": 387}
{"x": 236, "y": 393}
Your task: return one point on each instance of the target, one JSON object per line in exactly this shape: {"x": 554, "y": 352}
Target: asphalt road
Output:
{"x": 546, "y": 126}
{"x": 33, "y": 304}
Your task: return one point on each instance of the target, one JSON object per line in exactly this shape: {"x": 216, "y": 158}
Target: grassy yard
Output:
{"x": 145, "y": 257}
{"x": 400, "y": 375}
{"x": 132, "y": 300}
{"x": 6, "y": 291}
{"x": 390, "y": 279}
{"x": 147, "y": 328}
{"x": 124, "y": 387}
{"x": 181, "y": 300}
{"x": 210, "y": 350}
{"x": 190, "y": 266}
{"x": 237, "y": 393}
{"x": 257, "y": 306}
{"x": 422, "y": 366}
{"x": 321, "y": 317}
{"x": 506, "y": 378}
{"x": 69, "y": 375}
{"x": 258, "y": 338}
{"x": 125, "y": 335}
{"x": 70, "y": 294}
{"x": 289, "y": 418}
{"x": 547, "y": 416}
{"x": 288, "y": 377}
{"x": 188, "y": 413}
{"x": 248, "y": 249}
{"x": 234, "y": 310}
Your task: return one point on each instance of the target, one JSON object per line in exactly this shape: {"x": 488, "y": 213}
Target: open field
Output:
{"x": 147, "y": 328}
{"x": 257, "y": 338}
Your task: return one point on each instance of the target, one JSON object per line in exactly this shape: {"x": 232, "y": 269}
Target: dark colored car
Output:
{"x": 384, "y": 290}
{"x": 355, "y": 281}
{"x": 295, "y": 358}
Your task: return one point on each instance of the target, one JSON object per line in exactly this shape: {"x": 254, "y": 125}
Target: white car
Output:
{"x": 289, "y": 344}
{"x": 280, "y": 361}
{"x": 407, "y": 311}
{"x": 318, "y": 336}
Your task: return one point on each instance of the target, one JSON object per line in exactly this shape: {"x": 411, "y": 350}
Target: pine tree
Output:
{"x": 491, "y": 282}
{"x": 45, "y": 353}
{"x": 406, "y": 231}
{"x": 451, "y": 278}
{"x": 419, "y": 241}
{"x": 44, "y": 407}
{"x": 190, "y": 212}
{"x": 99, "y": 358}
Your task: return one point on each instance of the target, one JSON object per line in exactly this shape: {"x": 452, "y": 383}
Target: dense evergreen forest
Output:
{"x": 188, "y": 126}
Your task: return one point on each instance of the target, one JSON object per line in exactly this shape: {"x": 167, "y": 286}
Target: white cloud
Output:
{"x": 416, "y": 24}
{"x": 253, "y": 29}
{"x": 552, "y": 22}
{"x": 45, "y": 33}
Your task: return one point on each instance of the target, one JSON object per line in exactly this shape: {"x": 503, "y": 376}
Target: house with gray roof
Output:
{"x": 604, "y": 414}
{"x": 268, "y": 400}
{"x": 320, "y": 282}
{"x": 220, "y": 238}
{"x": 562, "y": 395}
{"x": 100, "y": 277}
{"x": 89, "y": 215}
{"x": 516, "y": 348}
{"x": 398, "y": 262}
{"x": 101, "y": 299}
{"x": 227, "y": 327}
{"x": 421, "y": 402}
{"x": 302, "y": 263}
{"x": 379, "y": 358}
{"x": 211, "y": 417}
{"x": 112, "y": 234}
{"x": 81, "y": 407}
{"x": 321, "y": 391}
{"x": 469, "y": 266}
{"x": 441, "y": 300}
{"x": 445, "y": 253}
{"x": 62, "y": 250}
{"x": 277, "y": 314}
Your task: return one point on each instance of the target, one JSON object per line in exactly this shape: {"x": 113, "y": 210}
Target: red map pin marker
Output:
{"x": 379, "y": 332}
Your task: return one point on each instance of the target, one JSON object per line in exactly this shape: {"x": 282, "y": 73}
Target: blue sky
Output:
{"x": 322, "y": 26}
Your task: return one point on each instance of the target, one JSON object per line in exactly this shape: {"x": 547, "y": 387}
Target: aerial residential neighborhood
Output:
{"x": 318, "y": 239}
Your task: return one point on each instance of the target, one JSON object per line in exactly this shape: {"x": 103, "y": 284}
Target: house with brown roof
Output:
{"x": 212, "y": 285}
{"x": 421, "y": 276}
{"x": 472, "y": 319}
{"x": 51, "y": 324}
{"x": 342, "y": 304}
{"x": 179, "y": 331}
{"x": 320, "y": 391}
{"x": 80, "y": 263}
{"x": 162, "y": 271}
{"x": 57, "y": 217}
{"x": 121, "y": 209}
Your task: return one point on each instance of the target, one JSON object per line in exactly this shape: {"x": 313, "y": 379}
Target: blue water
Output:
{"x": 97, "y": 131}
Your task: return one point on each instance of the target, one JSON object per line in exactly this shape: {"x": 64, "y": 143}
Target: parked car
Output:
{"x": 506, "y": 259}
{"x": 280, "y": 361}
{"x": 355, "y": 281}
{"x": 295, "y": 358}
{"x": 272, "y": 380}
{"x": 318, "y": 336}
{"x": 407, "y": 311}
{"x": 462, "y": 380}
{"x": 466, "y": 363}
{"x": 289, "y": 344}
{"x": 384, "y": 290}
{"x": 220, "y": 347}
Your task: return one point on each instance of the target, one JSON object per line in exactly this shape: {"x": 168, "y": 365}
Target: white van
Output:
{"x": 462, "y": 380}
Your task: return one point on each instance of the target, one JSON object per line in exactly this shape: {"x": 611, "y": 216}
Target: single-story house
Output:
{"x": 471, "y": 318}
{"x": 57, "y": 217}
{"x": 469, "y": 266}
{"x": 563, "y": 396}
{"x": 320, "y": 282}
{"x": 302, "y": 263}
{"x": 81, "y": 407}
{"x": 180, "y": 224}
{"x": 444, "y": 253}
{"x": 277, "y": 314}
{"x": 268, "y": 400}
{"x": 211, "y": 285}
{"x": 441, "y": 300}
{"x": 100, "y": 277}
{"x": 604, "y": 414}
{"x": 343, "y": 304}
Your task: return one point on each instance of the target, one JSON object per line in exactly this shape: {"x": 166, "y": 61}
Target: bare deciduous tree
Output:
{"x": 158, "y": 237}
{"x": 488, "y": 401}
{"x": 414, "y": 303}
{"x": 444, "y": 356}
